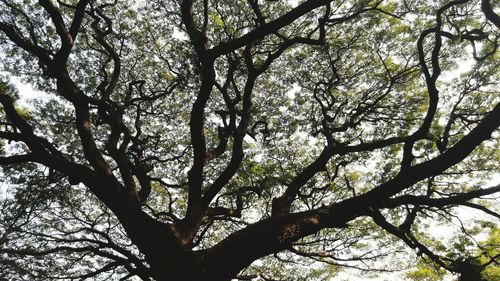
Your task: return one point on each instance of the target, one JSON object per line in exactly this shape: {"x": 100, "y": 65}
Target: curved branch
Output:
{"x": 489, "y": 13}
{"x": 276, "y": 233}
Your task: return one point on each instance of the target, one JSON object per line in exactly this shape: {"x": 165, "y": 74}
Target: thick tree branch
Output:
{"x": 275, "y": 234}
{"x": 267, "y": 28}
{"x": 16, "y": 159}
{"x": 456, "y": 199}
{"x": 42, "y": 54}
{"x": 281, "y": 205}
{"x": 67, "y": 36}
{"x": 490, "y": 13}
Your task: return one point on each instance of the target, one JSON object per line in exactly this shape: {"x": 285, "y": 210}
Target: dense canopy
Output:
{"x": 249, "y": 139}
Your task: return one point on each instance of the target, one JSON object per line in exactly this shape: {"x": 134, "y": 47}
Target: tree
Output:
{"x": 469, "y": 265}
{"x": 185, "y": 140}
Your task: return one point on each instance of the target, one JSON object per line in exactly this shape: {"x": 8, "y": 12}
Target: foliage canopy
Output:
{"x": 218, "y": 140}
